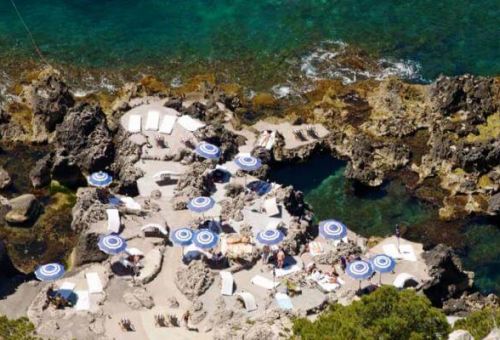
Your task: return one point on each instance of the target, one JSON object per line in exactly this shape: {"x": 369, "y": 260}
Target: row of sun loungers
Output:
{"x": 167, "y": 123}
{"x": 82, "y": 297}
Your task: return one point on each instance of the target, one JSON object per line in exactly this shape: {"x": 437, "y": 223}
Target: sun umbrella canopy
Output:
{"x": 207, "y": 150}
{"x": 383, "y": 263}
{"x": 201, "y": 204}
{"x": 112, "y": 244}
{"x": 359, "y": 270}
{"x": 270, "y": 237}
{"x": 332, "y": 230}
{"x": 100, "y": 179}
{"x": 49, "y": 272}
{"x": 182, "y": 236}
{"x": 248, "y": 163}
{"x": 206, "y": 239}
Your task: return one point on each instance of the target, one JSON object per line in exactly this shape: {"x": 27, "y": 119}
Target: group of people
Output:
{"x": 273, "y": 256}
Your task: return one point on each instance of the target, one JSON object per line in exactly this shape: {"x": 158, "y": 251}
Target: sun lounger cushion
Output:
{"x": 190, "y": 124}
{"x": 113, "y": 220}
{"x": 324, "y": 283}
{"x": 271, "y": 207}
{"x": 283, "y": 301}
{"x": 227, "y": 283}
{"x": 249, "y": 300}
{"x": 287, "y": 270}
{"x": 83, "y": 300}
{"x": 264, "y": 282}
{"x": 130, "y": 203}
{"x": 134, "y": 124}
{"x": 93, "y": 282}
{"x": 400, "y": 280}
{"x": 152, "y": 121}
{"x": 315, "y": 248}
{"x": 167, "y": 124}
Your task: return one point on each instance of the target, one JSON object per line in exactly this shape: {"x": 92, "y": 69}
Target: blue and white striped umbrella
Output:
{"x": 270, "y": 237}
{"x": 383, "y": 263}
{"x": 359, "y": 270}
{"x": 201, "y": 204}
{"x": 49, "y": 272}
{"x": 207, "y": 150}
{"x": 206, "y": 239}
{"x": 112, "y": 244}
{"x": 332, "y": 230}
{"x": 100, "y": 179}
{"x": 248, "y": 163}
{"x": 182, "y": 236}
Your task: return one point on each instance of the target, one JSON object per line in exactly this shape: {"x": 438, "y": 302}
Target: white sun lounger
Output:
{"x": 315, "y": 248}
{"x": 405, "y": 252}
{"x": 400, "y": 280}
{"x": 130, "y": 203}
{"x": 227, "y": 283}
{"x": 287, "y": 270}
{"x": 408, "y": 252}
{"x": 324, "y": 283}
{"x": 283, "y": 301}
{"x": 263, "y": 282}
{"x": 134, "y": 124}
{"x": 83, "y": 300}
{"x": 158, "y": 176}
{"x": 152, "y": 121}
{"x": 271, "y": 207}
{"x": 248, "y": 300}
{"x": 113, "y": 220}
{"x": 190, "y": 124}
{"x": 154, "y": 226}
{"x": 134, "y": 251}
{"x": 93, "y": 282}
{"x": 167, "y": 124}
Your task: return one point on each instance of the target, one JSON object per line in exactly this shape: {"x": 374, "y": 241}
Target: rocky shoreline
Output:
{"x": 442, "y": 140}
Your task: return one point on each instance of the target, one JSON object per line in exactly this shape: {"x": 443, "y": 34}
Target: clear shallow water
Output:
{"x": 375, "y": 213}
{"x": 449, "y": 36}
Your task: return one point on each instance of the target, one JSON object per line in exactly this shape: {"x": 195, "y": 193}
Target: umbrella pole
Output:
{"x": 359, "y": 284}
{"x": 380, "y": 279}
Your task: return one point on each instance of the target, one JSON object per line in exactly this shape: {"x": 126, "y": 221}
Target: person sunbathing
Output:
{"x": 280, "y": 259}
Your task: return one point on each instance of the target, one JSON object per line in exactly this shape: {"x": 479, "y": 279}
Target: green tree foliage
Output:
{"x": 17, "y": 329}
{"x": 385, "y": 314}
{"x": 480, "y": 323}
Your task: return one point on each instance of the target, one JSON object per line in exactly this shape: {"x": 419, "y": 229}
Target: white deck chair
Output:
{"x": 161, "y": 175}
{"x": 248, "y": 300}
{"x": 271, "y": 207}
{"x": 83, "y": 301}
{"x": 264, "y": 282}
{"x": 93, "y": 282}
{"x": 167, "y": 124}
{"x": 280, "y": 272}
{"x": 154, "y": 226}
{"x": 227, "y": 281}
{"x": 190, "y": 124}
{"x": 134, "y": 124}
{"x": 401, "y": 279}
{"x": 152, "y": 121}
{"x": 130, "y": 203}
{"x": 283, "y": 301}
{"x": 113, "y": 220}
{"x": 134, "y": 251}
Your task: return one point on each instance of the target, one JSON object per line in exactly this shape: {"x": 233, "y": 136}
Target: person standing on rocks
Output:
{"x": 398, "y": 235}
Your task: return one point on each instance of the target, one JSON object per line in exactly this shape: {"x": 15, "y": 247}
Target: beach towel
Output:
{"x": 130, "y": 203}
{"x": 152, "y": 121}
{"x": 83, "y": 300}
{"x": 392, "y": 251}
{"x": 287, "y": 270}
{"x": 113, "y": 220}
{"x": 190, "y": 124}
{"x": 227, "y": 283}
{"x": 283, "y": 301}
{"x": 271, "y": 207}
{"x": 134, "y": 124}
{"x": 405, "y": 252}
{"x": 248, "y": 300}
{"x": 264, "y": 282}
{"x": 167, "y": 124}
{"x": 408, "y": 253}
{"x": 93, "y": 282}
{"x": 315, "y": 248}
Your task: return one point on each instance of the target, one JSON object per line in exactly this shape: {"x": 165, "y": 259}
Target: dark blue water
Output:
{"x": 448, "y": 36}
{"x": 375, "y": 212}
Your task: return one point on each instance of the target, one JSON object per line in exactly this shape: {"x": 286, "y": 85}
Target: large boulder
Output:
{"x": 193, "y": 280}
{"x": 84, "y": 139}
{"x": 139, "y": 298}
{"x": 5, "y": 179}
{"x": 194, "y": 182}
{"x": 223, "y": 138}
{"x": 468, "y": 303}
{"x": 126, "y": 155}
{"x": 40, "y": 175}
{"x": 23, "y": 209}
{"x": 448, "y": 279}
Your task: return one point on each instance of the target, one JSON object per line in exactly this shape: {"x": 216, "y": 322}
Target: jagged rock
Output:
{"x": 127, "y": 154}
{"x": 153, "y": 261}
{"x": 468, "y": 303}
{"x": 232, "y": 208}
{"x": 460, "y": 334}
{"x": 40, "y": 174}
{"x": 139, "y": 298}
{"x": 23, "y": 208}
{"x": 174, "y": 103}
{"x": 196, "y": 312}
{"x": 5, "y": 179}
{"x": 448, "y": 278}
{"x": 494, "y": 204}
{"x": 293, "y": 200}
{"x": 194, "y": 279}
{"x": 227, "y": 141}
{"x": 84, "y": 139}
{"x": 4, "y": 116}
{"x": 342, "y": 249}
{"x": 493, "y": 335}
{"x": 295, "y": 236}
{"x": 233, "y": 190}
{"x": 50, "y": 101}
{"x": 194, "y": 182}
{"x": 172, "y": 302}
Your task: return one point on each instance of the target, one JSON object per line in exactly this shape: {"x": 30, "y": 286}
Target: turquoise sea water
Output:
{"x": 375, "y": 212}
{"x": 449, "y": 36}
